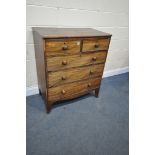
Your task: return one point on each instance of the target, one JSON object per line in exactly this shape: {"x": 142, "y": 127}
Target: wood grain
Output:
{"x": 70, "y": 62}
{"x": 64, "y": 62}
{"x": 74, "y": 74}
{"x": 40, "y": 63}
{"x": 61, "y": 47}
{"x": 48, "y": 32}
{"x": 72, "y": 90}
{"x": 94, "y": 44}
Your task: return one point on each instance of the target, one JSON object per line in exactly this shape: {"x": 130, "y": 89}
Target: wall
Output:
{"x": 104, "y": 15}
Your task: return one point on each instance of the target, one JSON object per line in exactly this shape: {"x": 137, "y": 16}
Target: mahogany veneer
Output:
{"x": 70, "y": 62}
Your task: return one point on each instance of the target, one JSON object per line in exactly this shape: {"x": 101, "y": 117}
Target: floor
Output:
{"x": 83, "y": 126}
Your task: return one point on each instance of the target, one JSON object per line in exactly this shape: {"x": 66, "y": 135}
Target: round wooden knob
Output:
{"x": 94, "y": 58}
{"x": 63, "y": 91}
{"x": 89, "y": 84}
{"x": 91, "y": 72}
{"x": 96, "y": 45}
{"x": 64, "y": 62}
{"x": 65, "y": 47}
{"x": 63, "y": 78}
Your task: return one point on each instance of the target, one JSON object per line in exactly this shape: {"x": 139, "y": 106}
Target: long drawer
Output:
{"x": 72, "y": 90}
{"x": 64, "y": 62}
{"x": 74, "y": 74}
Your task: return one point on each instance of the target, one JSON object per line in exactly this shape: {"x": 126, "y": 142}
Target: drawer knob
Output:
{"x": 63, "y": 78}
{"x": 63, "y": 91}
{"x": 65, "y": 47}
{"x": 97, "y": 45}
{"x": 94, "y": 58}
{"x": 91, "y": 72}
{"x": 89, "y": 84}
{"x": 64, "y": 62}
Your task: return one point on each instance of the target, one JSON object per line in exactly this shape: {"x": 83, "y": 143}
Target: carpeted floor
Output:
{"x": 83, "y": 126}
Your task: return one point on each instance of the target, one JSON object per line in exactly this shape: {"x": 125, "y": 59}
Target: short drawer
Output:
{"x": 72, "y": 90}
{"x": 74, "y": 74}
{"x": 61, "y": 47}
{"x": 95, "y": 44}
{"x": 64, "y": 62}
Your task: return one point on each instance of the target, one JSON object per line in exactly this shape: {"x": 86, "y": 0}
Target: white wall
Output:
{"x": 105, "y": 15}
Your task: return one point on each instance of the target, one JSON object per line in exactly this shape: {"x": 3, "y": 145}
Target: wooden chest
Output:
{"x": 70, "y": 62}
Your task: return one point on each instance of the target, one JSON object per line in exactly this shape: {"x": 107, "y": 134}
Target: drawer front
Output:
{"x": 64, "y": 62}
{"x": 72, "y": 90}
{"x": 95, "y": 44}
{"x": 61, "y": 47}
{"x": 74, "y": 74}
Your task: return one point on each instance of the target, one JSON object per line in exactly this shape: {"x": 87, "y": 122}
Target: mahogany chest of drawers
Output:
{"x": 70, "y": 62}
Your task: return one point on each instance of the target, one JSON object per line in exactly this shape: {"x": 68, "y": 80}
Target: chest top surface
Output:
{"x": 69, "y": 32}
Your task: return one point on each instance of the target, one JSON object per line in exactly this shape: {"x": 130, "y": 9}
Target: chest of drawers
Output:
{"x": 70, "y": 62}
